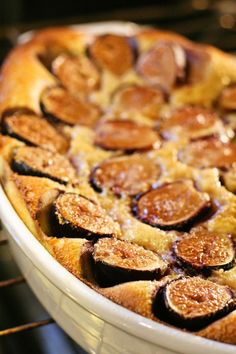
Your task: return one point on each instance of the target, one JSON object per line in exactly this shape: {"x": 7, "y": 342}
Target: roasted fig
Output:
{"x": 112, "y": 52}
{"x": 35, "y": 161}
{"x": 125, "y": 135}
{"x": 203, "y": 250}
{"x": 73, "y": 215}
{"x": 139, "y": 99}
{"x": 172, "y": 206}
{"x": 207, "y": 153}
{"x": 163, "y": 65}
{"x": 125, "y": 175}
{"x": 227, "y": 99}
{"x": 192, "y": 122}
{"x": 76, "y": 73}
{"x": 193, "y": 303}
{"x": 60, "y": 106}
{"x": 119, "y": 261}
{"x": 34, "y": 131}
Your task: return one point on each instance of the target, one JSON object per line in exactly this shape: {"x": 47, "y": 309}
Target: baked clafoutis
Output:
{"x": 118, "y": 153}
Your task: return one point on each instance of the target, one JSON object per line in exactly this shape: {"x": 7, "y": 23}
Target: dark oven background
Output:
{"x": 212, "y": 21}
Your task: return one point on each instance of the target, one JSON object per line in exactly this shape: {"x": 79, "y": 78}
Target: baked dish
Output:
{"x": 118, "y": 154}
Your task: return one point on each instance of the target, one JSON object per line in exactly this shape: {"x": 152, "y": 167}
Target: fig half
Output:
{"x": 118, "y": 261}
{"x": 34, "y": 161}
{"x": 113, "y": 53}
{"x": 192, "y": 122}
{"x": 76, "y": 73}
{"x": 139, "y": 99}
{"x": 193, "y": 303}
{"x": 125, "y": 175}
{"x": 125, "y": 135}
{"x": 204, "y": 250}
{"x": 172, "y": 206}
{"x": 210, "y": 152}
{"x": 73, "y": 215}
{"x": 60, "y": 106}
{"x": 163, "y": 65}
{"x": 34, "y": 131}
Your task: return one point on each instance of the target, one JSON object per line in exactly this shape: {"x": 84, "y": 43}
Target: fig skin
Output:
{"x": 180, "y": 225}
{"x": 98, "y": 225}
{"x": 109, "y": 274}
{"x": 28, "y": 160}
{"x": 208, "y": 247}
{"x": 163, "y": 310}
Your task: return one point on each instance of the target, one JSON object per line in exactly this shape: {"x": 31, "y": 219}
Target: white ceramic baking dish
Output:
{"x": 97, "y": 324}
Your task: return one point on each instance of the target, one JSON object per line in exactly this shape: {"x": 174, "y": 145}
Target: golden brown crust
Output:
{"x": 25, "y": 193}
{"x": 72, "y": 254}
{"x": 24, "y": 74}
{"x": 32, "y": 188}
{"x": 7, "y": 145}
{"x": 222, "y": 330}
{"x": 135, "y": 296}
{"x": 131, "y": 295}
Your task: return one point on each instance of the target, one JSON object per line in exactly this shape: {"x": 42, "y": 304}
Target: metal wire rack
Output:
{"x": 17, "y": 338}
{"x": 25, "y": 327}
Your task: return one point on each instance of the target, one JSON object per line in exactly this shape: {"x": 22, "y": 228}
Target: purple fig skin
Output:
{"x": 107, "y": 275}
